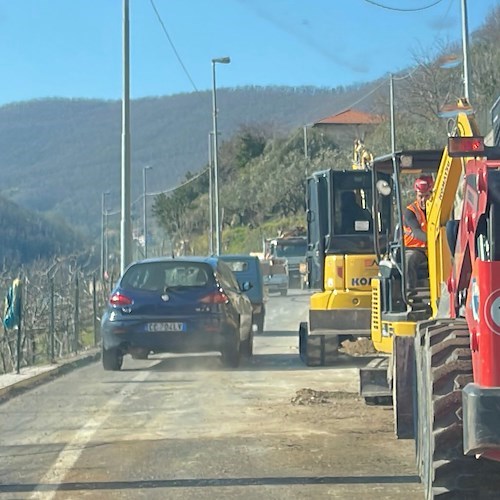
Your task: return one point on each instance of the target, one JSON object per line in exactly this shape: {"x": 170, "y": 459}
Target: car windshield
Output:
{"x": 163, "y": 275}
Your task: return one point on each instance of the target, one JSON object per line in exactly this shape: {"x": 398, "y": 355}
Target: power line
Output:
{"x": 172, "y": 44}
{"x": 398, "y": 9}
{"x": 139, "y": 198}
{"x": 179, "y": 186}
{"x": 408, "y": 75}
{"x": 362, "y": 98}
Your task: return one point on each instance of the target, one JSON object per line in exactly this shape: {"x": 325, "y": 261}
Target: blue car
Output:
{"x": 179, "y": 305}
{"x": 247, "y": 268}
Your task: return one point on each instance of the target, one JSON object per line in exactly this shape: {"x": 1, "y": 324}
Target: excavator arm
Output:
{"x": 441, "y": 206}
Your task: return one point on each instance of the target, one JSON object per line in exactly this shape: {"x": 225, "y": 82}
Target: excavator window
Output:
{"x": 353, "y": 216}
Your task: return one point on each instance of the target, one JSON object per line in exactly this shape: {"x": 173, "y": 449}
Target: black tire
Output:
{"x": 314, "y": 350}
{"x": 140, "y": 354}
{"x": 420, "y": 390}
{"x": 317, "y": 350}
{"x": 247, "y": 346}
{"x": 112, "y": 359}
{"x": 446, "y": 364}
{"x": 418, "y": 409}
{"x": 303, "y": 341}
{"x": 231, "y": 351}
{"x": 259, "y": 322}
{"x": 402, "y": 383}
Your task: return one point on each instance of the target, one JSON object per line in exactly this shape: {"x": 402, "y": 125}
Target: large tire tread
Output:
{"x": 317, "y": 350}
{"x": 444, "y": 367}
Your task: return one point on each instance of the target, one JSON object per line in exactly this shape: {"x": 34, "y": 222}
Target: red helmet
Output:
{"x": 424, "y": 184}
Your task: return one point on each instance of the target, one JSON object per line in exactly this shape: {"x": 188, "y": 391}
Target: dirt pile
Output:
{"x": 359, "y": 347}
{"x": 309, "y": 397}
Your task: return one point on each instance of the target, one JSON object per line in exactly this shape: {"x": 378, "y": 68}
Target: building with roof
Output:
{"x": 348, "y": 128}
{"x": 351, "y": 122}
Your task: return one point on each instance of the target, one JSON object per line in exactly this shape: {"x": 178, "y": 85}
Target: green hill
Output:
{"x": 27, "y": 236}
{"x": 59, "y": 155}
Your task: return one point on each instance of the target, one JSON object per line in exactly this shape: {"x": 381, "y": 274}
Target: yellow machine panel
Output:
{"x": 334, "y": 273}
{"x": 376, "y": 323}
{"x": 347, "y": 282}
{"x": 359, "y": 271}
{"x": 389, "y": 330}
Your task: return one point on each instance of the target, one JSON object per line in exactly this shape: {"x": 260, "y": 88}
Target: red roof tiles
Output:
{"x": 350, "y": 117}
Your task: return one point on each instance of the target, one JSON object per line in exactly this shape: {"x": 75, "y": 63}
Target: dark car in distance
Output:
{"x": 178, "y": 305}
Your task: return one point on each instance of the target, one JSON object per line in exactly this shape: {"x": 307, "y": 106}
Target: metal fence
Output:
{"x": 60, "y": 315}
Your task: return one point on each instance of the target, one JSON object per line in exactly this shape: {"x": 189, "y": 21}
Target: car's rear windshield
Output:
{"x": 237, "y": 266}
{"x": 163, "y": 275}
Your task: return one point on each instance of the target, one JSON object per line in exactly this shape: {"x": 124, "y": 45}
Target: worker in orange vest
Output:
{"x": 415, "y": 229}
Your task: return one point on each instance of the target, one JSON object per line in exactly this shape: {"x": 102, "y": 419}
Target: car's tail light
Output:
{"x": 120, "y": 300}
{"x": 218, "y": 297}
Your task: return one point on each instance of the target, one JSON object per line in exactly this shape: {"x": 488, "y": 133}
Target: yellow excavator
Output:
{"x": 341, "y": 257}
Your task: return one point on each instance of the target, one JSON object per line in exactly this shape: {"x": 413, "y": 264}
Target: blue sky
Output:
{"x": 73, "y": 48}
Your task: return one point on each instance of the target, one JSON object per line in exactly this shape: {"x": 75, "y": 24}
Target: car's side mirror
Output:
{"x": 245, "y": 286}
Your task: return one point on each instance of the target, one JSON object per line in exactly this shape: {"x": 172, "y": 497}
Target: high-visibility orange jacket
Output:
{"x": 411, "y": 240}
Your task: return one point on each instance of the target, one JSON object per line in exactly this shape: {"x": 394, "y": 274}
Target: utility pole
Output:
{"x": 125, "y": 225}
{"x": 106, "y": 248}
{"x": 393, "y": 122}
{"x": 145, "y": 209}
{"x": 220, "y": 60}
{"x": 465, "y": 48}
{"x": 306, "y": 152}
{"x": 103, "y": 234}
{"x": 210, "y": 198}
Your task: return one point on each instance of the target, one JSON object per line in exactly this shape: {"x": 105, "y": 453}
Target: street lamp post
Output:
{"x": 465, "y": 48}
{"x": 145, "y": 209}
{"x": 210, "y": 198}
{"x": 106, "y": 245}
{"x": 220, "y": 60}
{"x": 104, "y": 230}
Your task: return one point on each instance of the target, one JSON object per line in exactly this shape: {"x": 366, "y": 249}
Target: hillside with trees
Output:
{"x": 263, "y": 176}
{"x": 28, "y": 236}
{"x": 67, "y": 152}
{"x": 58, "y": 156}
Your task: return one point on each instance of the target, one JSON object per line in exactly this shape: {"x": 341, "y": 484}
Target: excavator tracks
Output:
{"x": 443, "y": 367}
{"x": 317, "y": 350}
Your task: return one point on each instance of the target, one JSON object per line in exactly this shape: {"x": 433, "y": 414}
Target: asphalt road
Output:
{"x": 184, "y": 427}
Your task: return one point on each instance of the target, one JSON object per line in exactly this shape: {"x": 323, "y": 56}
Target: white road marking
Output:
{"x": 72, "y": 451}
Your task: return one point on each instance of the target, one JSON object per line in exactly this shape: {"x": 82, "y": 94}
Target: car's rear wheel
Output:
{"x": 112, "y": 359}
{"x": 231, "y": 351}
{"x": 247, "y": 346}
{"x": 259, "y": 322}
{"x": 139, "y": 353}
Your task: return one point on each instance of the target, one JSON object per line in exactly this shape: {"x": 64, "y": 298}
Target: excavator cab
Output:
{"x": 340, "y": 257}
{"x": 340, "y": 220}
{"x": 396, "y": 313}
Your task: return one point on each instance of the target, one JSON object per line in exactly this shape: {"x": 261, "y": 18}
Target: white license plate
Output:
{"x": 167, "y": 327}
